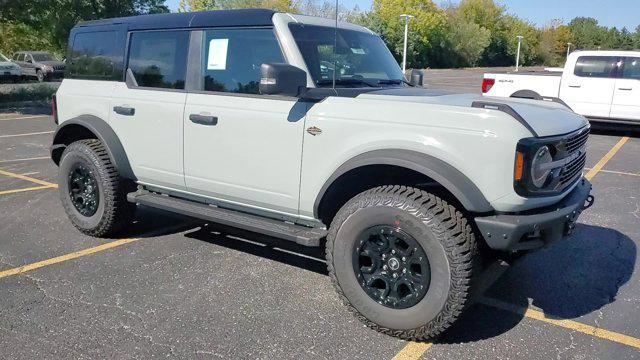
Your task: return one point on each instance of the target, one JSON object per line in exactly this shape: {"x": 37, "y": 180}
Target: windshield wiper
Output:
{"x": 345, "y": 82}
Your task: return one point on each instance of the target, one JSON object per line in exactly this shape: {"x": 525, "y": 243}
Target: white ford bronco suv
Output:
{"x": 291, "y": 126}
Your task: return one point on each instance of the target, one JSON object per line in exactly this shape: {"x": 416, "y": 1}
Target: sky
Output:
{"x": 617, "y": 13}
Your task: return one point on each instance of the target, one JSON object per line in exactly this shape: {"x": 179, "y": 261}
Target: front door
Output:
{"x": 626, "y": 96}
{"x": 241, "y": 147}
{"x": 589, "y": 89}
{"x": 147, "y": 109}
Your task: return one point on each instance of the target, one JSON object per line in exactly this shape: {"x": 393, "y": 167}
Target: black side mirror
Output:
{"x": 417, "y": 76}
{"x": 282, "y": 79}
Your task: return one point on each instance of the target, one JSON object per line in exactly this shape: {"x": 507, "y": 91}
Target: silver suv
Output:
{"x": 285, "y": 125}
{"x": 39, "y": 64}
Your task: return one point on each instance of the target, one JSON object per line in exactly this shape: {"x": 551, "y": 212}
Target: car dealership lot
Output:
{"x": 177, "y": 287}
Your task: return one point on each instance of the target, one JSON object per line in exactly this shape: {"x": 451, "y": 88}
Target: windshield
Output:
{"x": 3, "y": 58}
{"x": 361, "y": 59}
{"x": 42, "y": 57}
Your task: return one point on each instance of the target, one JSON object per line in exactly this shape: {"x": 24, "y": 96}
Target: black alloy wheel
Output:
{"x": 83, "y": 190}
{"x": 391, "y": 266}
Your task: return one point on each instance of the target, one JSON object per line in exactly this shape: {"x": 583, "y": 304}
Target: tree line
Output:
{"x": 470, "y": 33}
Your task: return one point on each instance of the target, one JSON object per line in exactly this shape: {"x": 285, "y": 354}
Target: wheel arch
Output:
{"x": 91, "y": 127}
{"x": 411, "y": 166}
{"x": 526, "y": 94}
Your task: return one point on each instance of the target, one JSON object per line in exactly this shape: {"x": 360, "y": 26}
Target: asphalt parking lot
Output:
{"x": 173, "y": 287}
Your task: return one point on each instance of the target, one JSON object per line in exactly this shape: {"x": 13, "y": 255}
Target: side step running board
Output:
{"x": 302, "y": 235}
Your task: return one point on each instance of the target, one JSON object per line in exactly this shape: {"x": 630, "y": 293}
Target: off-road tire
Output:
{"x": 449, "y": 237}
{"x": 113, "y": 212}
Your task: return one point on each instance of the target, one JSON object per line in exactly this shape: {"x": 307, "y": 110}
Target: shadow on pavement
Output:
{"x": 303, "y": 257}
{"x": 569, "y": 279}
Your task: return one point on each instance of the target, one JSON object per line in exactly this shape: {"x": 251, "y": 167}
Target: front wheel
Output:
{"x": 40, "y": 76}
{"x": 92, "y": 193}
{"x": 402, "y": 260}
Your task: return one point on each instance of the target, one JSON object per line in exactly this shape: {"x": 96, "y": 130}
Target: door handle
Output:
{"x": 123, "y": 110}
{"x": 203, "y": 119}
{"x": 625, "y": 89}
{"x": 575, "y": 86}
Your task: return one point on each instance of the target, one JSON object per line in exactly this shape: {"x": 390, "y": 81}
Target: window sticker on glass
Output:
{"x": 217, "y": 54}
{"x": 359, "y": 51}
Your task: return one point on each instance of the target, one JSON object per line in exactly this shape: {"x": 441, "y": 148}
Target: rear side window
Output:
{"x": 232, "y": 58}
{"x": 18, "y": 57}
{"x": 96, "y": 56}
{"x": 158, "y": 59}
{"x": 631, "y": 68}
{"x": 596, "y": 66}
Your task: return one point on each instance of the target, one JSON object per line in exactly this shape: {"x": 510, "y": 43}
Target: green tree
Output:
{"x": 466, "y": 40}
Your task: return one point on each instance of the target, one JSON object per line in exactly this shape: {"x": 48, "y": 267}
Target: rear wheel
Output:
{"x": 402, "y": 260}
{"x": 92, "y": 193}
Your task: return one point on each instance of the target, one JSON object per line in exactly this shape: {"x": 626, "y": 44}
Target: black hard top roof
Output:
{"x": 217, "y": 18}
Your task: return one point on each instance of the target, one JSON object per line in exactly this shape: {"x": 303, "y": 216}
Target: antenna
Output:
{"x": 335, "y": 44}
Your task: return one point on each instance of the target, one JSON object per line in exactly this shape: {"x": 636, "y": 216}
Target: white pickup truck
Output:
{"x": 601, "y": 85}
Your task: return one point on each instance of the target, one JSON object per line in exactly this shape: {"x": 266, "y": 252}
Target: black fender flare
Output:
{"x": 446, "y": 175}
{"x": 67, "y": 131}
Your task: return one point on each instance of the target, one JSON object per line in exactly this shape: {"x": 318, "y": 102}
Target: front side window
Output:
{"x": 356, "y": 58}
{"x": 631, "y": 69}
{"x": 596, "y": 66}
{"x": 231, "y": 58}
{"x": 159, "y": 58}
{"x": 96, "y": 56}
{"x": 43, "y": 57}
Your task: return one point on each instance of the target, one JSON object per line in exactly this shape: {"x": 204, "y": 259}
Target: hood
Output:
{"x": 53, "y": 63}
{"x": 544, "y": 118}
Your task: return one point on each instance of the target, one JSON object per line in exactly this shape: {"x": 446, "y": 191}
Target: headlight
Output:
{"x": 540, "y": 173}
{"x": 47, "y": 68}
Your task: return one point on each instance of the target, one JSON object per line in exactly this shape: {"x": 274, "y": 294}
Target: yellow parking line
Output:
{"x": 59, "y": 259}
{"x": 600, "y": 164}
{"x": 567, "y": 324}
{"x": 4, "y": 192}
{"x": 27, "y": 178}
{"x": 25, "y": 159}
{"x": 27, "y": 134}
{"x": 42, "y": 117}
{"x": 413, "y": 350}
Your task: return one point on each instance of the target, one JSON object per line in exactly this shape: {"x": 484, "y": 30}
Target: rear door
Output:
{"x": 147, "y": 109}
{"x": 626, "y": 96}
{"x": 588, "y": 90}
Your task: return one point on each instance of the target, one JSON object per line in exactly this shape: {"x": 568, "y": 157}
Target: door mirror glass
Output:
{"x": 282, "y": 79}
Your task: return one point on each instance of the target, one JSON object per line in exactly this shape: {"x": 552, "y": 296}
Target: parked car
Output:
{"x": 601, "y": 85}
{"x": 231, "y": 117}
{"x": 9, "y": 70}
{"x": 39, "y": 64}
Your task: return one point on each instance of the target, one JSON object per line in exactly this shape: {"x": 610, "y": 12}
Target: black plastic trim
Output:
{"x": 103, "y": 132}
{"x": 446, "y": 175}
{"x": 538, "y": 227}
{"x": 505, "y": 109}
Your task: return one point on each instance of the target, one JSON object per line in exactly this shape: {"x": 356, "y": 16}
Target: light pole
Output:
{"x": 568, "y": 49}
{"x": 518, "y": 54}
{"x": 406, "y": 34}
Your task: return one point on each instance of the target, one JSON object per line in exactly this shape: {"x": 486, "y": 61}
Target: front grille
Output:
{"x": 58, "y": 67}
{"x": 572, "y": 169}
{"x": 575, "y": 143}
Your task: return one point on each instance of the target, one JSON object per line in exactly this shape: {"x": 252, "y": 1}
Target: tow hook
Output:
{"x": 588, "y": 202}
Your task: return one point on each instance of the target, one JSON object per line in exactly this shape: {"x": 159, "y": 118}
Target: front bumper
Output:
{"x": 535, "y": 228}
{"x": 55, "y": 74}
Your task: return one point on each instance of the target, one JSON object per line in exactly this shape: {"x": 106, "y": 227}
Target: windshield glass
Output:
{"x": 361, "y": 59}
{"x": 3, "y": 58}
{"x": 42, "y": 57}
